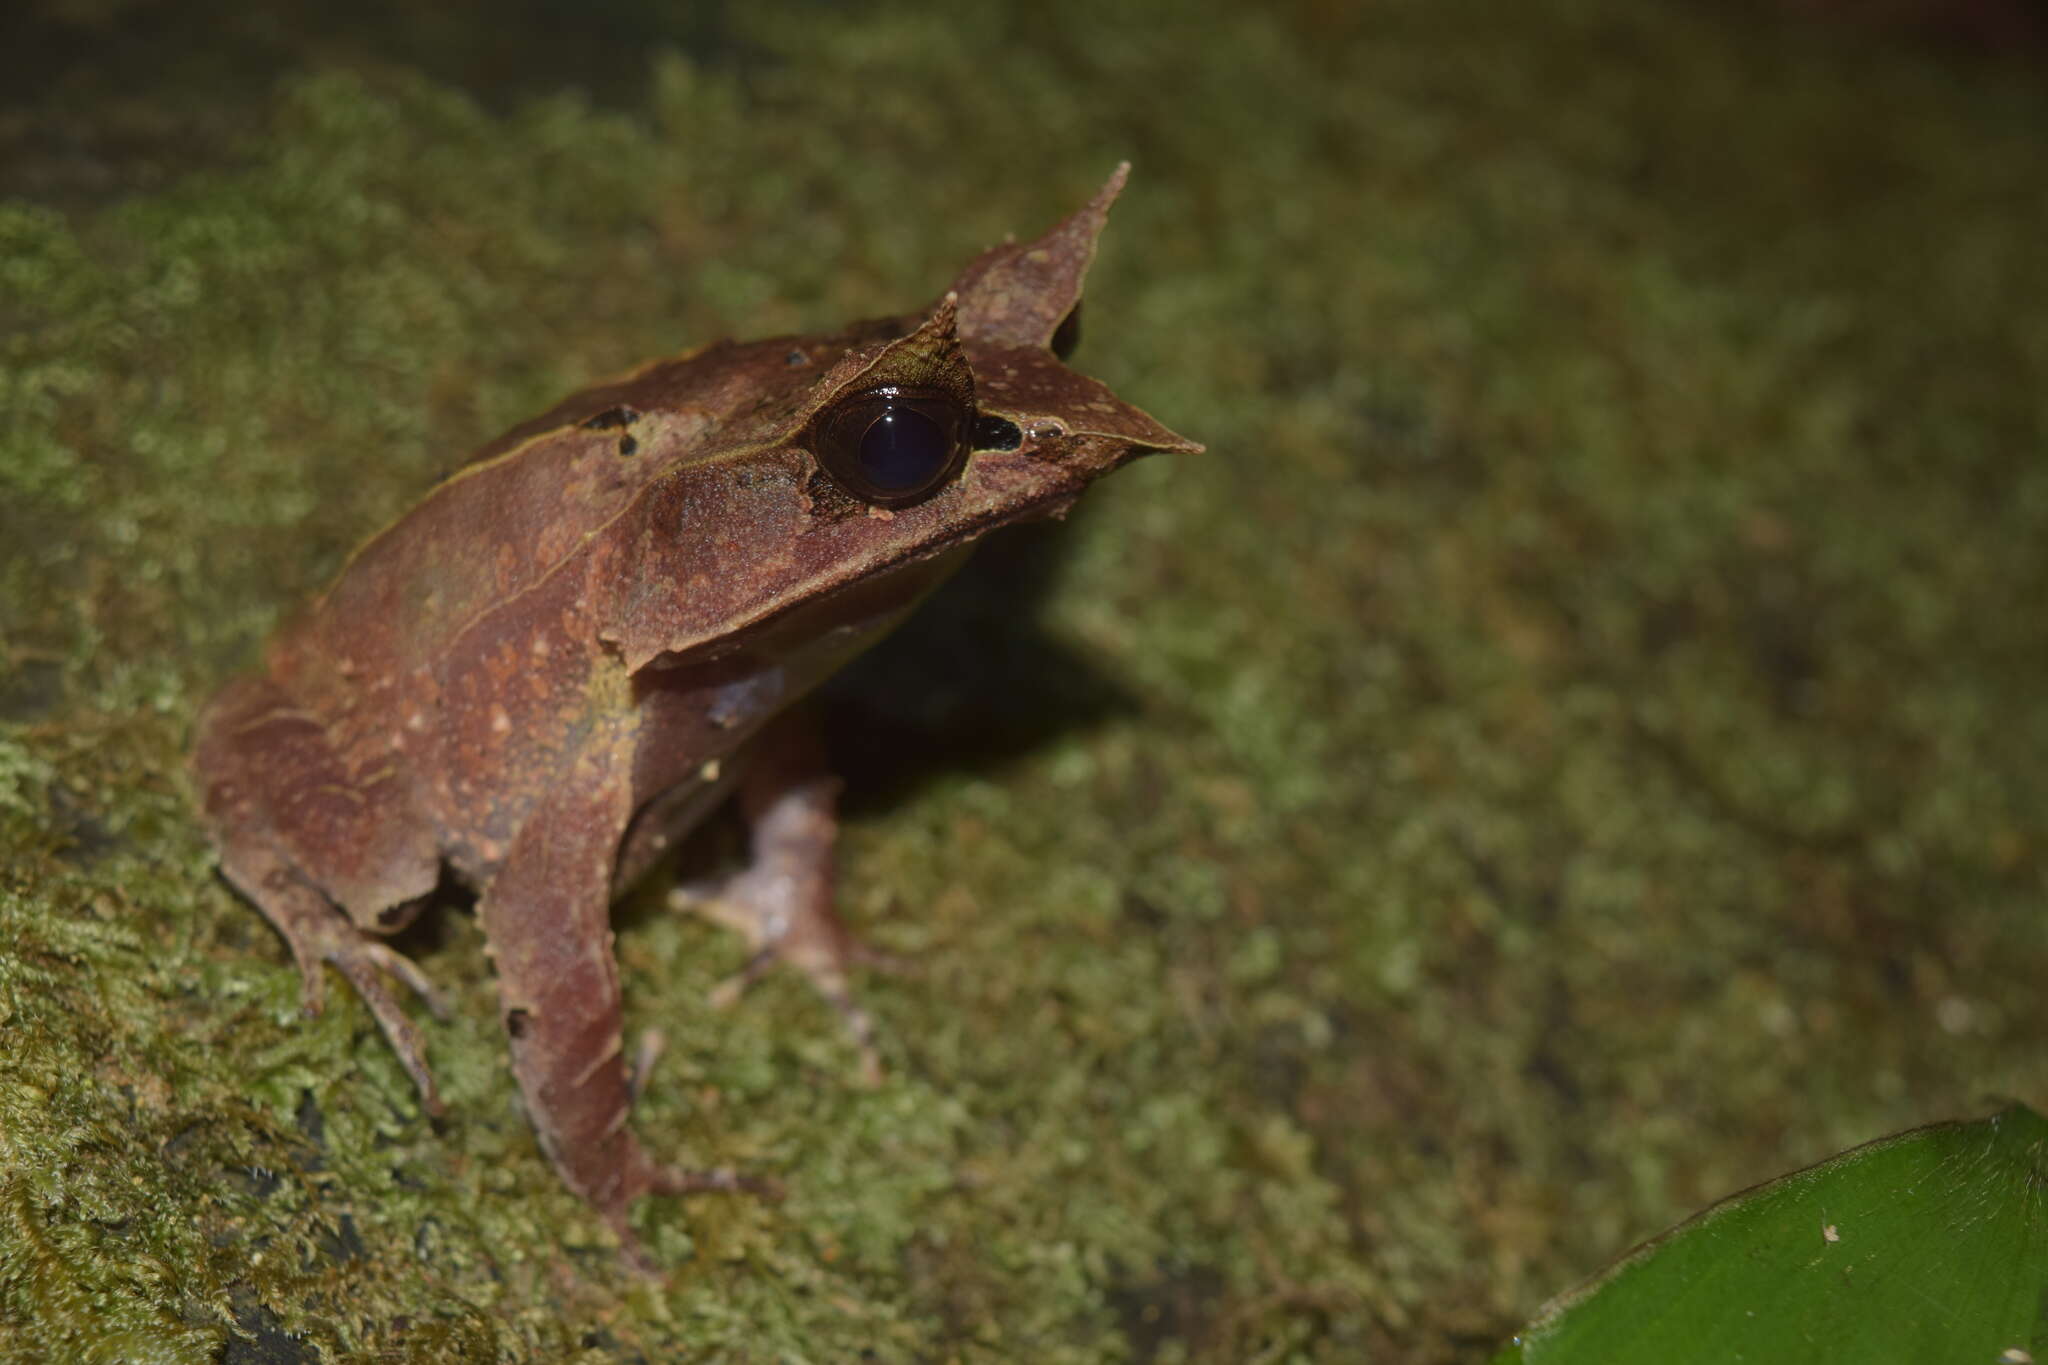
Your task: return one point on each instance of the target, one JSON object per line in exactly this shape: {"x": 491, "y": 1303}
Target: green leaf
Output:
{"x": 1927, "y": 1247}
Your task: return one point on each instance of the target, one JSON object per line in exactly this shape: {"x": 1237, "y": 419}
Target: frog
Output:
{"x": 597, "y": 631}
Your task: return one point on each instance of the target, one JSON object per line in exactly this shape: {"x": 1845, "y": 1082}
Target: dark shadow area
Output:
{"x": 30, "y": 689}
{"x": 102, "y": 100}
{"x": 97, "y": 101}
{"x": 969, "y": 682}
{"x": 497, "y": 51}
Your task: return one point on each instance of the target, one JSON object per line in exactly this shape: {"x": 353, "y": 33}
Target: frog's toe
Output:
{"x": 727, "y": 993}
{"x": 394, "y": 963}
{"x": 647, "y": 1176}
{"x": 865, "y": 954}
{"x": 685, "y": 1180}
{"x": 312, "y": 980}
{"x": 653, "y": 1042}
{"x": 318, "y": 933}
{"x": 802, "y": 932}
{"x": 828, "y": 979}
{"x": 859, "y": 1024}
{"x": 366, "y": 967}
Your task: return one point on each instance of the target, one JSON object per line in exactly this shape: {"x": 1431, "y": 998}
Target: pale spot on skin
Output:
{"x": 709, "y": 772}
{"x": 501, "y": 724}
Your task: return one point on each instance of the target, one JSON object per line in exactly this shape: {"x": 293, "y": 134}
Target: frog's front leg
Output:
{"x": 330, "y": 855}
{"x": 318, "y": 933}
{"x": 782, "y": 902}
{"x": 546, "y": 916}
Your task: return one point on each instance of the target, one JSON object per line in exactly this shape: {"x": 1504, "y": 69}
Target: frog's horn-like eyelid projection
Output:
{"x": 1018, "y": 294}
{"x": 928, "y": 356}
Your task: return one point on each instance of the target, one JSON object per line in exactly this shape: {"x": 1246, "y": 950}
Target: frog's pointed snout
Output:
{"x": 1158, "y": 441}
{"x": 1167, "y": 442}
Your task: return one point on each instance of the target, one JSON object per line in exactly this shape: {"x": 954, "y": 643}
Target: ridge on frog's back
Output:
{"x": 590, "y": 634}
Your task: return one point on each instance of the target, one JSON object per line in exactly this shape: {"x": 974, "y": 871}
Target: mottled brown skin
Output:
{"x": 600, "y": 617}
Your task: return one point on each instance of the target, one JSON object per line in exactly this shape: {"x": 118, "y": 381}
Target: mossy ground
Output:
{"x": 1572, "y": 748}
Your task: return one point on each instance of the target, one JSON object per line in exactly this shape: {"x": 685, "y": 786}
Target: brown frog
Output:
{"x": 582, "y": 641}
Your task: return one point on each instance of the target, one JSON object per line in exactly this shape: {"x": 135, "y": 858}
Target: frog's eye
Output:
{"x": 893, "y": 445}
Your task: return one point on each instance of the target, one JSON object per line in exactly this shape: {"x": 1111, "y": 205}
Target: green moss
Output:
{"x": 1571, "y": 749}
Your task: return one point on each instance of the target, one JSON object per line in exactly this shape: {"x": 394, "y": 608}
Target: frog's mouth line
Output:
{"x": 1080, "y": 473}
{"x": 1037, "y": 509}
{"x": 1056, "y": 502}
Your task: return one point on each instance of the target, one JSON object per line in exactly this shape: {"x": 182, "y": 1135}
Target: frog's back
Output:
{"x": 526, "y": 501}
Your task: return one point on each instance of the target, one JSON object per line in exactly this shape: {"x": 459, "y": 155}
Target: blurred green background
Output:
{"x": 1571, "y": 749}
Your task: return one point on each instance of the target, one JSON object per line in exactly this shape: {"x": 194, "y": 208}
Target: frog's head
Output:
{"x": 922, "y": 433}
{"x": 974, "y": 408}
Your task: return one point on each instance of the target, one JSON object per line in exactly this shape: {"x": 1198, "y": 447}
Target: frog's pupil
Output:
{"x": 903, "y": 449}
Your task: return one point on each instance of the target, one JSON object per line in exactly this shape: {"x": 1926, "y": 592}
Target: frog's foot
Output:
{"x": 684, "y": 1180}
{"x": 811, "y": 939}
{"x": 366, "y": 963}
{"x": 319, "y": 934}
{"x": 782, "y": 906}
{"x": 653, "y": 1042}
